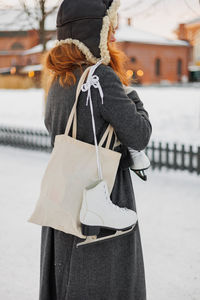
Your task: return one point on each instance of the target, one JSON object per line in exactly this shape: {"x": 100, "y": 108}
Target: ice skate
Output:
{"x": 140, "y": 163}
{"x": 98, "y": 211}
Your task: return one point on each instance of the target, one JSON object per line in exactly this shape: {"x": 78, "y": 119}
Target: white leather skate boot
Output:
{"x": 99, "y": 211}
{"x": 140, "y": 162}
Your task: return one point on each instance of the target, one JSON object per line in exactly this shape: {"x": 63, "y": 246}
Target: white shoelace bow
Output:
{"x": 93, "y": 80}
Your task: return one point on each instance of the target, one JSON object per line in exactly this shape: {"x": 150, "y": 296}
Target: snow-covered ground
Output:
{"x": 168, "y": 206}
{"x": 174, "y": 111}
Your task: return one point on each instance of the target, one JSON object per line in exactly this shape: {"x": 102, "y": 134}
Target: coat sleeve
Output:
{"x": 133, "y": 95}
{"x": 132, "y": 128}
{"x": 47, "y": 115}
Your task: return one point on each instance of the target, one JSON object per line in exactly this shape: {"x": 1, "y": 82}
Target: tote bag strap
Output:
{"x": 73, "y": 116}
{"x": 107, "y": 134}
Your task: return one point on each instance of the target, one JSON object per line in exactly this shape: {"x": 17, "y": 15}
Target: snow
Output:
{"x": 170, "y": 229}
{"x": 132, "y": 34}
{"x": 22, "y": 108}
{"x": 194, "y": 68}
{"x": 174, "y": 111}
{"x": 193, "y": 21}
{"x": 31, "y": 68}
{"x": 168, "y": 211}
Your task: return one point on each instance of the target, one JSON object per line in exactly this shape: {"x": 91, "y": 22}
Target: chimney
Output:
{"x": 129, "y": 21}
{"x": 182, "y": 32}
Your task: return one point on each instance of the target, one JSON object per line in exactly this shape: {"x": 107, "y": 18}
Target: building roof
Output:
{"x": 38, "y": 48}
{"x": 193, "y": 21}
{"x": 131, "y": 34}
{"x": 29, "y": 68}
{"x": 194, "y": 68}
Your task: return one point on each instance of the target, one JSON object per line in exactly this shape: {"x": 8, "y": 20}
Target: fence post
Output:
{"x": 190, "y": 159}
{"x": 182, "y": 157}
{"x": 167, "y": 155}
{"x": 198, "y": 161}
{"x": 153, "y": 155}
{"x": 160, "y": 155}
{"x": 175, "y": 157}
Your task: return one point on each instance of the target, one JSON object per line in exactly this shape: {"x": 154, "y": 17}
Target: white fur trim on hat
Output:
{"x": 112, "y": 12}
{"x": 82, "y": 47}
{"x": 103, "y": 46}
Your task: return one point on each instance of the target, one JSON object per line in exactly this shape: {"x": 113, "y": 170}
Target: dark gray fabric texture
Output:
{"x": 111, "y": 269}
{"x": 82, "y": 20}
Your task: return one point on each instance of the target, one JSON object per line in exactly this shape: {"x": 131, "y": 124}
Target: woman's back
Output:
{"x": 133, "y": 128}
{"x": 111, "y": 269}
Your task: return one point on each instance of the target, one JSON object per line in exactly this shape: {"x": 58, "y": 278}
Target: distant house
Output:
{"x": 19, "y": 49}
{"x": 153, "y": 58}
{"x": 13, "y": 43}
{"x": 190, "y": 31}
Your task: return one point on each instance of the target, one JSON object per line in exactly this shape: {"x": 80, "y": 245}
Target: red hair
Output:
{"x": 61, "y": 60}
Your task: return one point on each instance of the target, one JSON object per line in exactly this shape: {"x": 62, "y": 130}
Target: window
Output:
{"x": 17, "y": 46}
{"x": 157, "y": 66}
{"x": 133, "y": 59}
{"x": 29, "y": 61}
{"x": 179, "y": 67}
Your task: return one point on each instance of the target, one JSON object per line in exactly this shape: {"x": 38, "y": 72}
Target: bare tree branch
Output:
{"x": 37, "y": 15}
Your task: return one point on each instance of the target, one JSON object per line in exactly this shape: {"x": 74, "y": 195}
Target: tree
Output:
{"x": 28, "y": 14}
{"x": 38, "y": 15}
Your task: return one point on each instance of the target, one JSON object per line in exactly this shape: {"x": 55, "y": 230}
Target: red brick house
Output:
{"x": 153, "y": 58}
{"x": 20, "y": 48}
{"x": 190, "y": 31}
{"x": 12, "y": 44}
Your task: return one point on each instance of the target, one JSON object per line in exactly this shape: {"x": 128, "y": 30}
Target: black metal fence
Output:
{"x": 176, "y": 157}
{"x": 25, "y": 138}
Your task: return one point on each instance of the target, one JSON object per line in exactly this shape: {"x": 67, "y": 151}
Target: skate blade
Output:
{"x": 94, "y": 239}
{"x": 140, "y": 174}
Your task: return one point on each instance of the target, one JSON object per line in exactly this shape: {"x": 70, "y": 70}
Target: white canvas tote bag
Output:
{"x": 72, "y": 167}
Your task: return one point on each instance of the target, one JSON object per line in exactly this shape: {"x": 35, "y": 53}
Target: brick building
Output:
{"x": 20, "y": 48}
{"x": 12, "y": 44}
{"x": 190, "y": 31}
{"x": 153, "y": 58}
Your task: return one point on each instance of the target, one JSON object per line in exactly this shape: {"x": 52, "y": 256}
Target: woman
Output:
{"x": 111, "y": 269}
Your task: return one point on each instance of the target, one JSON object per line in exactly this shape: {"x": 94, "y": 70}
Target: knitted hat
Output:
{"x": 86, "y": 23}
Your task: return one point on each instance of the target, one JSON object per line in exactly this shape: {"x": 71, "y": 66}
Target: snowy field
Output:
{"x": 174, "y": 111}
{"x": 168, "y": 207}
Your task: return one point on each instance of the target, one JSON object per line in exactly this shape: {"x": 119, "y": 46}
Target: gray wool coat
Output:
{"x": 111, "y": 269}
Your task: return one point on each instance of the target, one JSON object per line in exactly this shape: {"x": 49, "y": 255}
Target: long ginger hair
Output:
{"x": 61, "y": 60}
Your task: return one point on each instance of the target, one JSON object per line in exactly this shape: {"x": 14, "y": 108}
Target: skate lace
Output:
{"x": 117, "y": 207}
{"x": 93, "y": 80}
{"x": 111, "y": 204}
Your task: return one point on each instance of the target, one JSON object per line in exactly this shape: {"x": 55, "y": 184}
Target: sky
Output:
{"x": 161, "y": 19}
